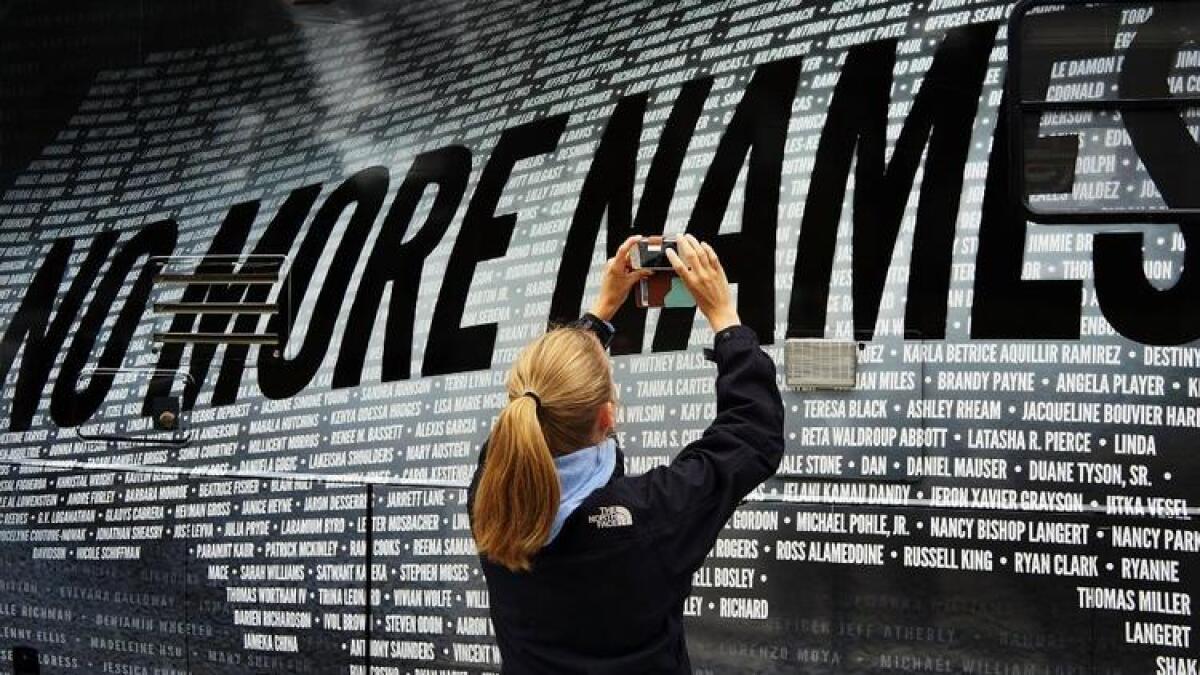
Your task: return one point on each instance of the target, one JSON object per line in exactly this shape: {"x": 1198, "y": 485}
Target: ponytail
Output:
{"x": 518, "y": 493}
{"x": 556, "y": 385}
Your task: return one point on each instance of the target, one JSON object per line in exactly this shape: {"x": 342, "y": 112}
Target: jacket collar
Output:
{"x": 580, "y": 473}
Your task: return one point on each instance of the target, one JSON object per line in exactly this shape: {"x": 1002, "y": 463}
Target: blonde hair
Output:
{"x": 517, "y": 496}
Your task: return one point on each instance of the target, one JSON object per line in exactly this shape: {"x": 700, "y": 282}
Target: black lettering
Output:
{"x": 279, "y": 376}
{"x": 32, "y": 329}
{"x": 228, "y": 240}
{"x": 941, "y": 118}
{"x": 608, "y": 189}
{"x": 756, "y": 136}
{"x": 483, "y": 236}
{"x": 1134, "y": 307}
{"x": 1005, "y": 305}
{"x": 68, "y": 406}
{"x": 276, "y": 240}
{"x": 399, "y": 262}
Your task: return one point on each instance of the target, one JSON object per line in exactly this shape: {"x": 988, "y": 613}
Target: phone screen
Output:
{"x": 654, "y": 256}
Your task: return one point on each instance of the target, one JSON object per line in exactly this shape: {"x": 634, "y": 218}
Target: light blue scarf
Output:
{"x": 580, "y": 473}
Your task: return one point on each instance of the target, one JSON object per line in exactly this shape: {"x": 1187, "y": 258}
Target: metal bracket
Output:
{"x": 175, "y": 441}
{"x": 241, "y": 272}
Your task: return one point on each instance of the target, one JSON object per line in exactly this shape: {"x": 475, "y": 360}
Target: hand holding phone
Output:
{"x": 618, "y": 279}
{"x": 663, "y": 287}
{"x": 701, "y": 271}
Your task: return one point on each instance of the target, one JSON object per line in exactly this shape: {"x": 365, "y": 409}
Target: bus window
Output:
{"x": 1104, "y": 111}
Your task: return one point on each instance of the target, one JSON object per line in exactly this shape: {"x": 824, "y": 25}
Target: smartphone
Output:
{"x": 651, "y": 253}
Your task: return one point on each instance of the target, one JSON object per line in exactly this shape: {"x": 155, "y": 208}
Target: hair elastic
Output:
{"x": 536, "y": 399}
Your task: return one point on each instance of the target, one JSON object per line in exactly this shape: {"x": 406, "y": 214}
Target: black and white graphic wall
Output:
{"x": 1008, "y": 489}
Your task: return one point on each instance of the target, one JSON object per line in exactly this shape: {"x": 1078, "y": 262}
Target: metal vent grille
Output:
{"x": 813, "y": 363}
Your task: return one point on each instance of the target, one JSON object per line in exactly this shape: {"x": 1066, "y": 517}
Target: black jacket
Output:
{"x": 606, "y": 596}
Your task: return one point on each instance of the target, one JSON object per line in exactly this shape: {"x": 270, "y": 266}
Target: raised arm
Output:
{"x": 615, "y": 283}
{"x": 689, "y": 500}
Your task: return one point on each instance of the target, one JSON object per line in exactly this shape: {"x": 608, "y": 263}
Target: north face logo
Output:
{"x": 612, "y": 516}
